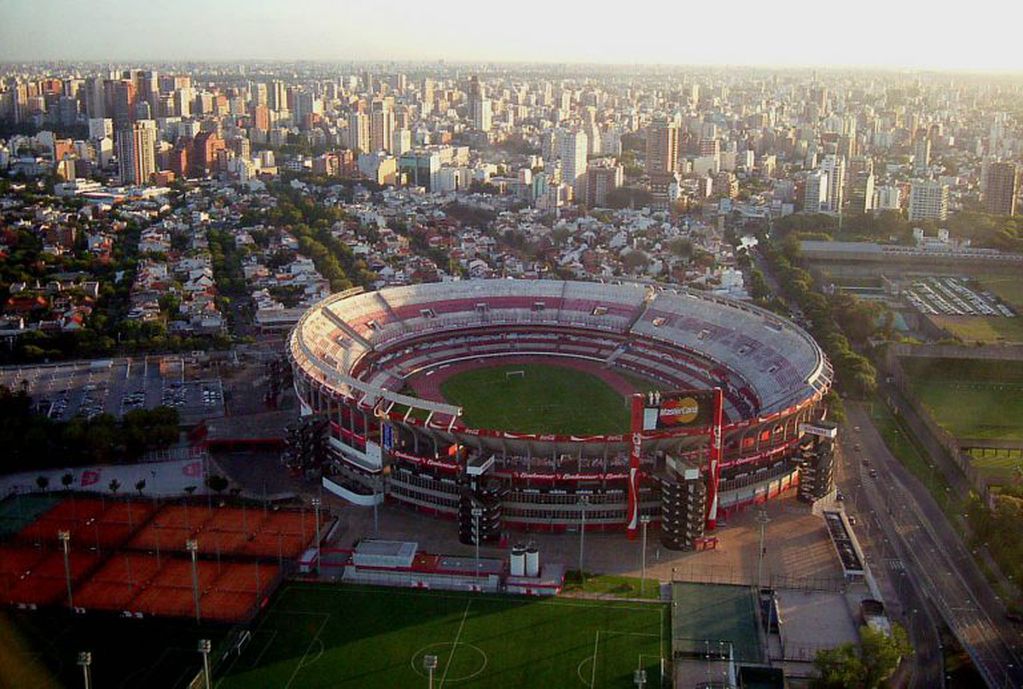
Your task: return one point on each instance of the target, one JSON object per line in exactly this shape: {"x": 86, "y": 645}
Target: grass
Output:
{"x": 612, "y": 585}
{"x": 970, "y": 398}
{"x": 1000, "y": 465}
{"x": 903, "y": 446}
{"x": 1009, "y": 288}
{"x": 41, "y": 647}
{"x": 318, "y": 636}
{"x": 984, "y": 329}
{"x": 547, "y": 399}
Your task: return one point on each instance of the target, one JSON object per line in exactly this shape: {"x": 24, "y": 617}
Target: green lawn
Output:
{"x": 971, "y": 398}
{"x": 1001, "y": 465}
{"x": 547, "y": 399}
{"x": 985, "y": 329}
{"x": 613, "y": 585}
{"x": 317, "y": 636}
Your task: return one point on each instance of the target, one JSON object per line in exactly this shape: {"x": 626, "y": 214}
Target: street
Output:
{"x": 931, "y": 552}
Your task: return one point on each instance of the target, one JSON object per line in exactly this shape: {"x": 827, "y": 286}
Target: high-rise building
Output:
{"x": 861, "y": 192}
{"x": 401, "y": 141}
{"x": 815, "y": 194}
{"x": 603, "y": 176}
{"x": 277, "y": 95}
{"x": 1001, "y": 188}
{"x": 921, "y": 152}
{"x": 834, "y": 166}
{"x": 381, "y": 127}
{"x": 928, "y": 200}
{"x": 480, "y": 106}
{"x": 573, "y": 160}
{"x": 136, "y": 152}
{"x": 358, "y": 132}
{"x": 662, "y": 148}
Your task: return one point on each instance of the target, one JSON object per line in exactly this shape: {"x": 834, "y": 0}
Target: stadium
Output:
{"x": 537, "y": 405}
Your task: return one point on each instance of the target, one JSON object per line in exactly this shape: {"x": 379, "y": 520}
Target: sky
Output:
{"x": 982, "y": 35}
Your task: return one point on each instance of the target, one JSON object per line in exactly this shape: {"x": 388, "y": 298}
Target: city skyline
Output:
{"x": 877, "y": 35}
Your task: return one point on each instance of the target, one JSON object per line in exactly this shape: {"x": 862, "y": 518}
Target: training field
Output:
{"x": 971, "y": 398}
{"x": 543, "y": 399}
{"x": 315, "y": 636}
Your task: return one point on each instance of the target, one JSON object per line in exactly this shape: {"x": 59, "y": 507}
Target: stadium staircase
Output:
{"x": 349, "y": 330}
{"x": 398, "y": 322}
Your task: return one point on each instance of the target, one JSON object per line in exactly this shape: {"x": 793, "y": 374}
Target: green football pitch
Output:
{"x": 971, "y": 398}
{"x": 537, "y": 398}
{"x": 316, "y": 636}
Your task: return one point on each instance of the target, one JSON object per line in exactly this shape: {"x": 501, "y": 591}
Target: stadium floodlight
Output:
{"x": 584, "y": 502}
{"x": 85, "y": 662}
{"x": 192, "y": 546}
{"x": 644, "y": 520}
{"x": 205, "y": 646}
{"x": 64, "y": 536}
{"x": 762, "y": 520}
{"x": 430, "y": 664}
{"x": 316, "y": 509}
{"x": 639, "y": 678}
{"x": 477, "y": 512}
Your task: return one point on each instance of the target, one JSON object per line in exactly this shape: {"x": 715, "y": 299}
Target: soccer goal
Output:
{"x": 510, "y": 375}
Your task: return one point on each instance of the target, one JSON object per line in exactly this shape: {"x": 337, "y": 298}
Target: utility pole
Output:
{"x": 204, "y": 647}
{"x": 316, "y": 509}
{"x": 762, "y": 520}
{"x": 477, "y": 512}
{"x": 644, "y": 520}
{"x": 192, "y": 546}
{"x": 584, "y": 501}
{"x": 65, "y": 545}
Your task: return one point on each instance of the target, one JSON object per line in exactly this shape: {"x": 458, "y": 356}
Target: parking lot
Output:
{"x": 954, "y": 296}
{"x": 116, "y": 386}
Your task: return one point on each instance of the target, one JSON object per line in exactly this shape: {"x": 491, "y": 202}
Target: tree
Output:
{"x": 838, "y": 668}
{"x": 866, "y": 667}
{"x": 114, "y": 486}
{"x": 43, "y": 482}
{"x": 881, "y": 653}
{"x": 217, "y": 483}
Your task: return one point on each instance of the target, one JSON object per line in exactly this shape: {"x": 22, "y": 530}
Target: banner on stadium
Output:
{"x": 678, "y": 409}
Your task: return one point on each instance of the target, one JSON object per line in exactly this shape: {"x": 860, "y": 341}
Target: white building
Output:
{"x": 573, "y": 160}
{"x": 815, "y": 195}
{"x": 928, "y": 200}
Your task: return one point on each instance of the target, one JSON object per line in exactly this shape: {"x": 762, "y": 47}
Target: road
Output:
{"x": 932, "y": 553}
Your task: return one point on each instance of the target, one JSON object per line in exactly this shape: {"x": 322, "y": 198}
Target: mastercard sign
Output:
{"x": 678, "y": 412}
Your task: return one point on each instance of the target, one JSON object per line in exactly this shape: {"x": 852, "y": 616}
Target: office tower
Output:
{"x": 1001, "y": 188}
{"x": 358, "y": 132}
{"x": 602, "y": 177}
{"x": 261, "y": 117}
{"x": 124, "y": 99}
{"x": 381, "y": 127}
{"x": 480, "y": 107}
{"x": 95, "y": 98}
{"x": 573, "y": 160}
{"x": 149, "y": 88}
{"x": 834, "y": 166}
{"x": 861, "y": 192}
{"x": 928, "y": 200}
{"x": 100, "y": 127}
{"x": 815, "y": 194}
{"x": 136, "y": 152}
{"x": 921, "y": 152}
{"x": 857, "y": 164}
{"x": 662, "y": 148}
{"x": 401, "y": 141}
{"x": 888, "y": 198}
{"x": 277, "y": 95}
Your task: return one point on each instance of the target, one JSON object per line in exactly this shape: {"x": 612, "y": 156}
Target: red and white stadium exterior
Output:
{"x": 354, "y": 352}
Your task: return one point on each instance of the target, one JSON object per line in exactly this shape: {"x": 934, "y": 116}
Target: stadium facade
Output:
{"x": 749, "y": 380}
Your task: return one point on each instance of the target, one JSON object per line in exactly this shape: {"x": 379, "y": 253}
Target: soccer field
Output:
{"x": 543, "y": 399}
{"x": 971, "y": 398}
{"x": 318, "y": 635}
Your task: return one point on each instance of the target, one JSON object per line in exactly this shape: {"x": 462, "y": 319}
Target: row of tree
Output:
{"x": 855, "y": 371}
{"x": 32, "y": 441}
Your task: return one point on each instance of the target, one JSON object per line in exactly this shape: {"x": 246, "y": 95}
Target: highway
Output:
{"x": 931, "y": 552}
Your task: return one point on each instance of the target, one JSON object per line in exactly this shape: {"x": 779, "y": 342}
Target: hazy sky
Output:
{"x": 978, "y": 35}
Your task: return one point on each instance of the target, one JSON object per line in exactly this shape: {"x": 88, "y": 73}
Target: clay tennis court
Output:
{"x": 129, "y": 556}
